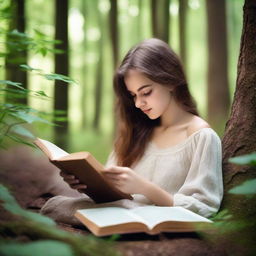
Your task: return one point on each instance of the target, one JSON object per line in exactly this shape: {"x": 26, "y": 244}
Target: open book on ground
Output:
{"x": 86, "y": 168}
{"x": 148, "y": 219}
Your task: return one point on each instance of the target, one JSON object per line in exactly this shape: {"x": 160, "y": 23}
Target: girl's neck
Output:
{"x": 174, "y": 116}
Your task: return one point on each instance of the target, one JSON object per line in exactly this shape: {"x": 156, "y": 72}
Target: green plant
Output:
{"x": 49, "y": 238}
{"x": 248, "y": 187}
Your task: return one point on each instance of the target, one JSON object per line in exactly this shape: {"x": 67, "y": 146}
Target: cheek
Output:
{"x": 162, "y": 98}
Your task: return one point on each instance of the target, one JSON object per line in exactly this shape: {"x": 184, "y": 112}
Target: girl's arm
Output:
{"x": 127, "y": 181}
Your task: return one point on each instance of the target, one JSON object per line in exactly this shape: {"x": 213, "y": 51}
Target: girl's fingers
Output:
{"x": 112, "y": 177}
{"x": 73, "y": 181}
{"x": 79, "y": 186}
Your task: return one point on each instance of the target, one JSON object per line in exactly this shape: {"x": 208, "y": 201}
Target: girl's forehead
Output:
{"x": 135, "y": 79}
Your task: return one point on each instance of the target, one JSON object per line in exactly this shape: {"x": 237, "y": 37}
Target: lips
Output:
{"x": 146, "y": 110}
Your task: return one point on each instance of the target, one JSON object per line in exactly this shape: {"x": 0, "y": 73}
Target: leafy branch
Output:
{"x": 45, "y": 231}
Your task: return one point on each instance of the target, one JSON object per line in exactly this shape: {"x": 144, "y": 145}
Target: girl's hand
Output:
{"x": 125, "y": 179}
{"x": 73, "y": 181}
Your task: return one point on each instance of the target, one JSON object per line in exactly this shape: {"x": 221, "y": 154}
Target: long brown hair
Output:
{"x": 157, "y": 61}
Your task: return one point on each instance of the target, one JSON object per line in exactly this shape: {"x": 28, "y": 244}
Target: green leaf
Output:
{"x": 59, "y": 77}
{"x": 19, "y": 140}
{"x": 10, "y": 204}
{"x": 41, "y": 93}
{"x": 38, "y": 248}
{"x": 222, "y": 215}
{"x": 249, "y": 159}
{"x": 16, "y": 84}
{"x": 43, "y": 51}
{"x": 20, "y": 130}
{"x": 246, "y": 188}
{"x": 29, "y": 68}
{"x": 15, "y": 32}
{"x": 29, "y": 118}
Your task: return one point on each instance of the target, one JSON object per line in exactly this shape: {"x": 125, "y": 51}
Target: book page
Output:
{"x": 55, "y": 151}
{"x": 153, "y": 215}
{"x": 108, "y": 216}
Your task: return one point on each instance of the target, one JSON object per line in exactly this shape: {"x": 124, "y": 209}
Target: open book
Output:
{"x": 86, "y": 168}
{"x": 150, "y": 219}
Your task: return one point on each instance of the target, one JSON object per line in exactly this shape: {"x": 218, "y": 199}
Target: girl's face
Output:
{"x": 150, "y": 97}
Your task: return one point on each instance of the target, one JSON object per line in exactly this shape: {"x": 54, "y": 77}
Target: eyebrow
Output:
{"x": 142, "y": 87}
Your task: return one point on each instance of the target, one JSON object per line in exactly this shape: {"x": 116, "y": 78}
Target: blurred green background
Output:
{"x": 90, "y": 41}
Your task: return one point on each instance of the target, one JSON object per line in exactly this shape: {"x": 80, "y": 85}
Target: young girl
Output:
{"x": 164, "y": 153}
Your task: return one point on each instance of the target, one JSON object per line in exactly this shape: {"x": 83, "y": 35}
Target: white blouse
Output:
{"x": 190, "y": 171}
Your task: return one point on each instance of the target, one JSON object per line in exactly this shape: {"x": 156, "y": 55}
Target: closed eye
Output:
{"x": 147, "y": 93}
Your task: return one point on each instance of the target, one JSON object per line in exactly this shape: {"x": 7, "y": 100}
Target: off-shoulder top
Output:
{"x": 190, "y": 171}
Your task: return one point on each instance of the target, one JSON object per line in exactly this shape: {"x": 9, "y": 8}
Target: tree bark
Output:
{"x": 239, "y": 137}
{"x": 160, "y": 19}
{"x": 218, "y": 90}
{"x": 61, "y": 67}
{"x": 17, "y": 55}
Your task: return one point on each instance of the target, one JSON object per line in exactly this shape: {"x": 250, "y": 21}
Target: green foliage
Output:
{"x": 222, "y": 215}
{"x": 249, "y": 186}
{"x": 249, "y": 159}
{"x": 246, "y": 188}
{"x": 51, "y": 76}
{"x": 39, "y": 248}
{"x": 18, "y": 42}
{"x": 11, "y": 205}
{"x": 36, "y": 226}
{"x": 14, "y": 117}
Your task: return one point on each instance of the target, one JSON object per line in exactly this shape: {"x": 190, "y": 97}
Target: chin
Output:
{"x": 153, "y": 117}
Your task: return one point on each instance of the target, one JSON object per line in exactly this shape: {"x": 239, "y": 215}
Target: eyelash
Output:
{"x": 143, "y": 94}
{"x": 147, "y": 93}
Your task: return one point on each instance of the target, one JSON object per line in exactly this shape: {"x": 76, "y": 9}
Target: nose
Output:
{"x": 139, "y": 102}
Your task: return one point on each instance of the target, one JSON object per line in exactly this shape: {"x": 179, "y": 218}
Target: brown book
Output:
{"x": 149, "y": 219}
{"x": 86, "y": 168}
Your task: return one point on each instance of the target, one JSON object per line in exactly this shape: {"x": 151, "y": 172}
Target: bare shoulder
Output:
{"x": 196, "y": 124}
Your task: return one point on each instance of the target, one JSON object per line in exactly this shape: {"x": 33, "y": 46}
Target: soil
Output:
{"x": 33, "y": 180}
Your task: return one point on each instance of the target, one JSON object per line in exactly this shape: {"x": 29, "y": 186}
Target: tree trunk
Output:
{"x": 17, "y": 55}
{"x": 84, "y": 73}
{"x": 160, "y": 19}
{"x": 239, "y": 138}
{"x": 218, "y": 91}
{"x": 113, "y": 20}
{"x": 183, "y": 8}
{"x": 99, "y": 71}
{"x": 114, "y": 32}
{"x": 61, "y": 67}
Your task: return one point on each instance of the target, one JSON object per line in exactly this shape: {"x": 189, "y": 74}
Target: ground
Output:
{"x": 33, "y": 180}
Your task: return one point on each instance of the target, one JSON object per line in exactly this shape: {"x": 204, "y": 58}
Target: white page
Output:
{"x": 56, "y": 152}
{"x": 108, "y": 216}
{"x": 153, "y": 215}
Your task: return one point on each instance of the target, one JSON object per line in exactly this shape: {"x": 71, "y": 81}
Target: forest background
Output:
{"x": 95, "y": 35}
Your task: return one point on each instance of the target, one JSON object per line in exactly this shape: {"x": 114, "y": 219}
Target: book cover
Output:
{"x": 86, "y": 168}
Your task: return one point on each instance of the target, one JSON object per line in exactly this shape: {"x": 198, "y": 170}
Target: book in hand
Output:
{"x": 149, "y": 219}
{"x": 86, "y": 168}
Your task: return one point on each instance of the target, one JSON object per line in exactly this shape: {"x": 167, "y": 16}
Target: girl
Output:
{"x": 164, "y": 153}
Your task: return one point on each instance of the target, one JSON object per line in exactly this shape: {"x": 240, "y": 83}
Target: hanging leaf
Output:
{"x": 41, "y": 93}
{"x": 10, "y": 204}
{"x": 39, "y": 248}
{"x": 20, "y": 130}
{"x": 29, "y": 68}
{"x": 249, "y": 159}
{"x": 246, "y": 188}
{"x": 19, "y": 140}
{"x": 59, "y": 77}
{"x": 28, "y": 118}
{"x": 16, "y": 84}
